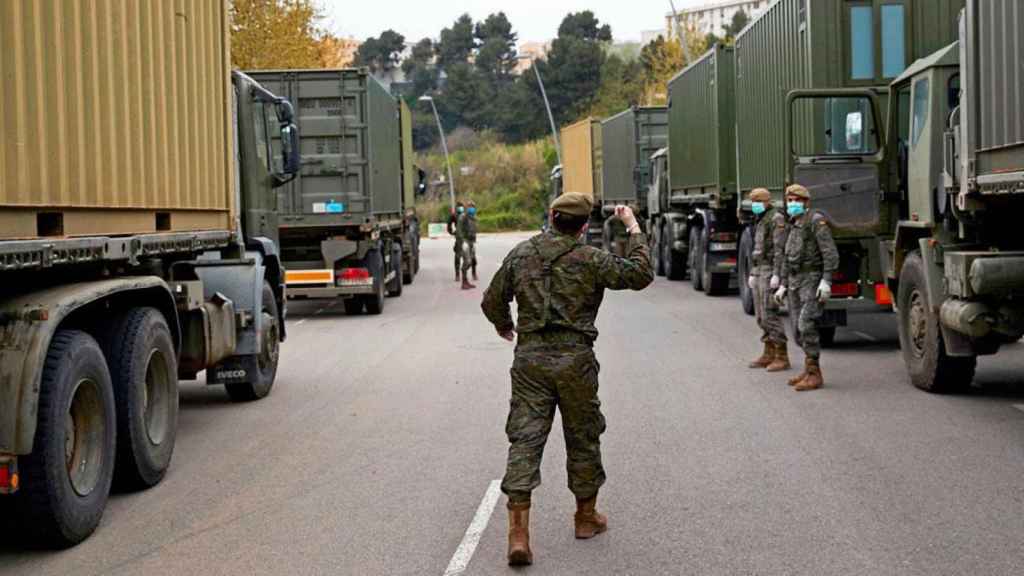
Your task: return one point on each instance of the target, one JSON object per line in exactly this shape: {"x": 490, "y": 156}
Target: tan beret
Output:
{"x": 798, "y": 191}
{"x": 760, "y": 195}
{"x": 573, "y": 204}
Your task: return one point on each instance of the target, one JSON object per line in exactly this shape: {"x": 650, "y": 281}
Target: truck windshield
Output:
{"x": 840, "y": 126}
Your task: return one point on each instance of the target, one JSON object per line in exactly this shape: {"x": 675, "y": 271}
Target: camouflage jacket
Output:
{"x": 466, "y": 229}
{"x": 559, "y": 283}
{"x": 770, "y": 242}
{"x": 810, "y": 247}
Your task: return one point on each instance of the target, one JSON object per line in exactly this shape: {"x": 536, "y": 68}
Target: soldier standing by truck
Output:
{"x": 811, "y": 257}
{"x": 467, "y": 234}
{"x": 453, "y": 230}
{"x": 767, "y": 259}
{"x": 558, "y": 284}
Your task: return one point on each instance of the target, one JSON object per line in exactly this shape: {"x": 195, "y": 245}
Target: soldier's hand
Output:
{"x": 780, "y": 295}
{"x": 625, "y": 214}
{"x": 509, "y": 335}
{"x": 775, "y": 282}
{"x": 824, "y": 291}
{"x": 752, "y": 282}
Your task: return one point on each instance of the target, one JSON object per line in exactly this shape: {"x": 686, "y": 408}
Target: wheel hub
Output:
{"x": 83, "y": 437}
{"x": 917, "y": 322}
{"x": 269, "y": 352}
{"x": 156, "y": 395}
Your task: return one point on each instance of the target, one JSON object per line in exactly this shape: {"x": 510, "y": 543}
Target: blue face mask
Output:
{"x": 758, "y": 208}
{"x": 472, "y": 211}
{"x": 795, "y": 209}
{"x": 460, "y": 209}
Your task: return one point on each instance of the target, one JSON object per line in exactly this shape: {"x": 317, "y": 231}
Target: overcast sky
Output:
{"x": 532, "y": 19}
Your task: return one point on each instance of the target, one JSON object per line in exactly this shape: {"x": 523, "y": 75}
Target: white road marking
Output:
{"x": 867, "y": 337}
{"x": 460, "y": 561}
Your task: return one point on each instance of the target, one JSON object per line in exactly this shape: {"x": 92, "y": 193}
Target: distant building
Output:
{"x": 714, "y": 17}
{"x": 530, "y": 52}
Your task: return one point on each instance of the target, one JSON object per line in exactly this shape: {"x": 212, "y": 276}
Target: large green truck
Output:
{"x": 346, "y": 224}
{"x": 135, "y": 180}
{"x": 629, "y": 139}
{"x": 955, "y": 159}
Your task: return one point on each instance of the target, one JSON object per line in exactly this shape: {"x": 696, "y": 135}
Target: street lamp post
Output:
{"x": 547, "y": 105}
{"x": 444, "y": 146}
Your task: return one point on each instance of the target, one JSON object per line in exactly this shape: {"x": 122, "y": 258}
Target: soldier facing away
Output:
{"x": 453, "y": 230}
{"x": 467, "y": 232}
{"x": 558, "y": 284}
{"x": 765, "y": 278}
{"x": 811, "y": 258}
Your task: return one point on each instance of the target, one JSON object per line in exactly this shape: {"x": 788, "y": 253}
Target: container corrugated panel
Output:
{"x": 701, "y": 112}
{"x": 577, "y": 158}
{"x": 619, "y": 151}
{"x": 408, "y": 166}
{"x": 597, "y": 160}
{"x": 997, "y": 88}
{"x": 651, "y": 136}
{"x": 349, "y": 134}
{"x": 113, "y": 110}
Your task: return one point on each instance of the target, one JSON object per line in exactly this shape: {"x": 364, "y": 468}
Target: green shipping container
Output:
{"x": 701, "y": 116}
{"x": 351, "y": 140}
{"x": 799, "y": 44}
{"x": 629, "y": 139}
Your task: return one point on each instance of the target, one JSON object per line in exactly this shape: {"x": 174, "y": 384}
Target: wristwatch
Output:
{"x": 634, "y": 229}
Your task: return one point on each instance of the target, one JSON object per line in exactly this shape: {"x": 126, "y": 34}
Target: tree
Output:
{"x": 740, "y": 19}
{"x": 456, "y": 44}
{"x": 381, "y": 54}
{"x": 268, "y": 34}
{"x": 661, "y": 60}
{"x": 419, "y": 69}
{"x": 585, "y": 26}
{"x": 622, "y": 86}
{"x": 496, "y": 55}
{"x": 572, "y": 71}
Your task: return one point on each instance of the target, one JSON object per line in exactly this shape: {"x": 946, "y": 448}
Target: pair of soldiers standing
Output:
{"x": 462, "y": 225}
{"x": 794, "y": 256}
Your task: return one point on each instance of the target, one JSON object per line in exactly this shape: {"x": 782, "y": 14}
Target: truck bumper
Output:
{"x": 328, "y": 292}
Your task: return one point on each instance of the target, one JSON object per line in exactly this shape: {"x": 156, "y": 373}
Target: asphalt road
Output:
{"x": 383, "y": 435}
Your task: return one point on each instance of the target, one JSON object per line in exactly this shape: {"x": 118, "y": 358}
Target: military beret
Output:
{"x": 760, "y": 195}
{"x": 573, "y": 204}
{"x": 798, "y": 191}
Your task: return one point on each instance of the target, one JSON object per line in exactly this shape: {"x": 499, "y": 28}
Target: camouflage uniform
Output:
{"x": 558, "y": 284}
{"x": 769, "y": 252}
{"x": 453, "y": 229}
{"x": 810, "y": 257}
{"x": 467, "y": 233}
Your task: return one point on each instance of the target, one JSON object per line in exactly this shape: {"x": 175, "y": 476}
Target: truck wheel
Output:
{"x": 353, "y": 306}
{"x": 924, "y": 351}
{"x": 746, "y": 250}
{"x": 675, "y": 266}
{"x": 696, "y": 260}
{"x": 66, "y": 479}
{"x": 395, "y": 286}
{"x": 375, "y": 302}
{"x": 266, "y": 360}
{"x": 656, "y": 255}
{"x": 144, "y": 372}
{"x": 714, "y": 284}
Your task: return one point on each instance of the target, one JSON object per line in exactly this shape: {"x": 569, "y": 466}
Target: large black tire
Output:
{"x": 266, "y": 361}
{"x": 675, "y": 264}
{"x": 144, "y": 372}
{"x": 66, "y": 479}
{"x": 375, "y": 302}
{"x": 353, "y": 306}
{"x": 714, "y": 284}
{"x": 656, "y": 241}
{"x": 924, "y": 351}
{"x": 696, "y": 260}
{"x": 744, "y": 268}
{"x": 395, "y": 286}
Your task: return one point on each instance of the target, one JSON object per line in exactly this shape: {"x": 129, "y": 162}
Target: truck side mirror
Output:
{"x": 291, "y": 160}
{"x": 285, "y": 111}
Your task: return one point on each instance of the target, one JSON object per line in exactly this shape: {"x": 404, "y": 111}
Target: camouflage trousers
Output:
{"x": 806, "y": 310}
{"x": 766, "y": 310}
{"x": 468, "y": 256}
{"x": 458, "y": 255}
{"x": 545, "y": 378}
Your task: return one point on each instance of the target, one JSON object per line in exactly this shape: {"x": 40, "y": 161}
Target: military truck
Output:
{"x": 629, "y": 139}
{"x": 811, "y": 98}
{"x": 346, "y": 224}
{"x": 136, "y": 180}
{"x": 693, "y": 207}
{"x": 582, "y": 161}
{"x": 955, "y": 159}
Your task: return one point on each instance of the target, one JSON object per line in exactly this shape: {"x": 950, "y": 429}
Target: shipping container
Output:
{"x": 579, "y": 151}
{"x": 629, "y": 140}
{"x": 701, "y": 111}
{"x": 115, "y": 118}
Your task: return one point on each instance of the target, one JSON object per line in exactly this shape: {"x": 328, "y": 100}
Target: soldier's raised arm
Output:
{"x": 498, "y": 297}
{"x": 633, "y": 272}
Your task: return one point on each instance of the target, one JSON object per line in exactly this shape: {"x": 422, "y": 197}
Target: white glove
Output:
{"x": 752, "y": 282}
{"x": 824, "y": 291}
{"x": 780, "y": 295}
{"x": 775, "y": 282}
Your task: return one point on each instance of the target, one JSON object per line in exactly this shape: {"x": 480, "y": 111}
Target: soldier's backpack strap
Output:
{"x": 546, "y": 269}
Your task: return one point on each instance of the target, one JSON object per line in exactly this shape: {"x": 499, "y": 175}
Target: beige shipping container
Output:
{"x": 115, "y": 117}
{"x": 578, "y": 157}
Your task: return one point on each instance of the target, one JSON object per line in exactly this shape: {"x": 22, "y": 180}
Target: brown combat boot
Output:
{"x": 589, "y": 522}
{"x": 780, "y": 362}
{"x": 519, "y": 553}
{"x": 800, "y": 377}
{"x": 766, "y": 357}
{"x": 814, "y": 379}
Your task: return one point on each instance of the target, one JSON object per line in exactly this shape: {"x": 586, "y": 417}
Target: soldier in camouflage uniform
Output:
{"x": 811, "y": 258}
{"x": 453, "y": 229}
{"x": 467, "y": 232}
{"x": 765, "y": 278}
{"x": 558, "y": 284}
